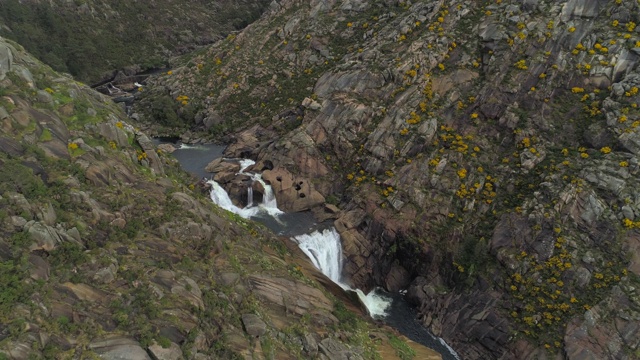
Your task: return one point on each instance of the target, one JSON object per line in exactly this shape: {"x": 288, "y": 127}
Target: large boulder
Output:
{"x": 119, "y": 348}
{"x": 172, "y": 352}
{"x": 253, "y": 325}
{"x": 147, "y": 146}
{"x": 292, "y": 193}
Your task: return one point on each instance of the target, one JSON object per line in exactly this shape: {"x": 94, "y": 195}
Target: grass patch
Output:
{"x": 402, "y": 349}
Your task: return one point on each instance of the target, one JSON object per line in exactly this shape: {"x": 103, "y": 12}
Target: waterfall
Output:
{"x": 324, "y": 249}
{"x": 195, "y": 161}
{"x": 249, "y": 196}
{"x": 220, "y": 197}
{"x": 268, "y": 205}
{"x": 244, "y": 164}
{"x": 269, "y": 198}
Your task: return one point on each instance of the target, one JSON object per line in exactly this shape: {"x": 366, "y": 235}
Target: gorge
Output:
{"x": 483, "y": 156}
{"x": 323, "y": 248}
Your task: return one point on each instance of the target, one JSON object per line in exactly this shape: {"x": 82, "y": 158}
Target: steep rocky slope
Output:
{"x": 92, "y": 38}
{"x": 484, "y": 155}
{"x": 106, "y": 249}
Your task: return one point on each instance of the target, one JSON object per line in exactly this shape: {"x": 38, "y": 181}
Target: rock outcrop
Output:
{"x": 489, "y": 150}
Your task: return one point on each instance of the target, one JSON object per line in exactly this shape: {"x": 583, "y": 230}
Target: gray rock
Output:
{"x": 10, "y": 146}
{"x": 17, "y": 222}
{"x": 44, "y": 97}
{"x": 105, "y": 275}
{"x": 617, "y": 89}
{"x": 310, "y": 345}
{"x": 39, "y": 269}
{"x": 24, "y": 74}
{"x": 631, "y": 141}
{"x": 593, "y": 210}
{"x": 333, "y": 349}
{"x": 212, "y": 120}
{"x": 113, "y": 133}
{"x": 44, "y": 237}
{"x": 17, "y": 350}
{"x": 583, "y": 277}
{"x": 147, "y": 146}
{"x": 119, "y": 348}
{"x": 581, "y": 9}
{"x": 47, "y": 215}
{"x": 253, "y": 325}
{"x": 605, "y": 181}
{"x": 490, "y": 32}
{"x": 167, "y": 148}
{"x": 21, "y": 202}
{"x": 625, "y": 63}
{"x": 311, "y": 104}
{"x": 6, "y": 59}
{"x": 173, "y": 352}
{"x": 229, "y": 279}
{"x": 357, "y": 81}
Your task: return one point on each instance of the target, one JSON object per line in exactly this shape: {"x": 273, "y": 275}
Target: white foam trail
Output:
{"x": 324, "y": 249}
{"x": 187, "y": 146}
{"x": 451, "y": 351}
{"x": 244, "y": 164}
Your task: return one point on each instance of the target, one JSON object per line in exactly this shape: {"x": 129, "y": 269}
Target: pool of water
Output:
{"x": 194, "y": 158}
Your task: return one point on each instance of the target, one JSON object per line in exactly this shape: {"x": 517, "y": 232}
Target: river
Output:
{"x": 319, "y": 241}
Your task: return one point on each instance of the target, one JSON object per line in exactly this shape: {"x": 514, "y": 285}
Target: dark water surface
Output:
{"x": 194, "y": 158}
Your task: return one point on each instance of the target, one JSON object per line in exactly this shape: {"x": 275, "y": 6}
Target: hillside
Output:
{"x": 107, "y": 249}
{"x": 484, "y": 155}
{"x": 91, "y": 39}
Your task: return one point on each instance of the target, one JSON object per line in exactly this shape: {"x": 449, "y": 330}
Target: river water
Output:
{"x": 320, "y": 242}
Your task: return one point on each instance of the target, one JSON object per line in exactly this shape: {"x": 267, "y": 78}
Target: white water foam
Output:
{"x": 325, "y": 251}
{"x": 220, "y": 197}
{"x": 269, "y": 205}
{"x": 244, "y": 164}
{"x": 187, "y": 146}
{"x": 451, "y": 351}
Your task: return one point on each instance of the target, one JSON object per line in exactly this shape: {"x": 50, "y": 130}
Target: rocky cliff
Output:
{"x": 107, "y": 251}
{"x": 484, "y": 155}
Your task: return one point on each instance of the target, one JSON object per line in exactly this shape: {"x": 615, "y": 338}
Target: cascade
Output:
{"x": 268, "y": 205}
{"x": 249, "y": 196}
{"x": 400, "y": 315}
{"x": 324, "y": 249}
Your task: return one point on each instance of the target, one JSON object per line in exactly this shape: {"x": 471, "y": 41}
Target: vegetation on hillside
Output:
{"x": 90, "y": 38}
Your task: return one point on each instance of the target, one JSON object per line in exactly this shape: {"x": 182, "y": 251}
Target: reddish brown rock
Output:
{"x": 293, "y": 194}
